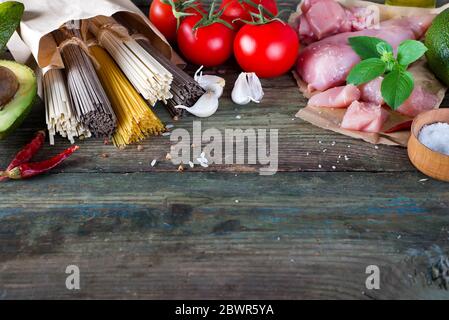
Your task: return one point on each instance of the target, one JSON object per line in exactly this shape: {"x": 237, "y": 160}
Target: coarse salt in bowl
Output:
{"x": 427, "y": 146}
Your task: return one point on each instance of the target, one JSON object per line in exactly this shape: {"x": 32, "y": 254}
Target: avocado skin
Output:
{"x": 437, "y": 41}
{"x": 18, "y": 121}
{"x": 10, "y": 15}
{"x": 25, "y": 109}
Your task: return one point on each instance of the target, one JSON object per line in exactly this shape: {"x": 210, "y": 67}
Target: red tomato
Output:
{"x": 269, "y": 50}
{"x": 161, "y": 15}
{"x": 234, "y": 9}
{"x": 209, "y": 45}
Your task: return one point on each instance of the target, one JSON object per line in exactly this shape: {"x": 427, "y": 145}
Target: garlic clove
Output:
{"x": 255, "y": 85}
{"x": 210, "y": 83}
{"x": 241, "y": 91}
{"x": 205, "y": 107}
{"x": 247, "y": 88}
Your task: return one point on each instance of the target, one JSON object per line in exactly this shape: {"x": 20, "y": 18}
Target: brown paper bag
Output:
{"x": 330, "y": 118}
{"x": 43, "y": 17}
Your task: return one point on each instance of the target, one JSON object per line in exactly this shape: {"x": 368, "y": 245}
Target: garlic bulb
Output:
{"x": 247, "y": 89}
{"x": 206, "y": 106}
{"x": 210, "y": 83}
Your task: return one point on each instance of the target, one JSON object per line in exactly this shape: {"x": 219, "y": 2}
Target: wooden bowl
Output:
{"x": 429, "y": 162}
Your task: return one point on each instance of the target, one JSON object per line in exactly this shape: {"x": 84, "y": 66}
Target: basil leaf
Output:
{"x": 409, "y": 51}
{"x": 397, "y": 87}
{"x": 366, "y": 71}
{"x": 384, "y": 49}
{"x": 367, "y": 47}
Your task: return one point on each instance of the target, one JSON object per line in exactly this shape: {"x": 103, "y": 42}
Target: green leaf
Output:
{"x": 366, "y": 71}
{"x": 397, "y": 87}
{"x": 368, "y": 47}
{"x": 409, "y": 51}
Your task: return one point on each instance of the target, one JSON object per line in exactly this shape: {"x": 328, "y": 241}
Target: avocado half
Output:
{"x": 15, "y": 111}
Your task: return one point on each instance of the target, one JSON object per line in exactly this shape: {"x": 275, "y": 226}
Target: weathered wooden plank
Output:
{"x": 200, "y": 235}
{"x": 299, "y": 142}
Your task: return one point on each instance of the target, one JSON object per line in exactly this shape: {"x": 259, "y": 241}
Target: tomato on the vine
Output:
{"x": 269, "y": 49}
{"x": 207, "y": 39}
{"x": 166, "y": 15}
{"x": 235, "y": 10}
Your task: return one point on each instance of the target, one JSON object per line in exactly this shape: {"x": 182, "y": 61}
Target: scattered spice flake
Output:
{"x": 106, "y": 142}
{"x": 169, "y": 126}
{"x": 140, "y": 148}
{"x": 166, "y": 134}
{"x": 153, "y": 163}
{"x": 168, "y": 157}
{"x": 104, "y": 155}
{"x": 181, "y": 168}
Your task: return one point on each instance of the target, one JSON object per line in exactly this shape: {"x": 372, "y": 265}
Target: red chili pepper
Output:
{"x": 407, "y": 125}
{"x": 27, "y": 152}
{"x": 29, "y": 170}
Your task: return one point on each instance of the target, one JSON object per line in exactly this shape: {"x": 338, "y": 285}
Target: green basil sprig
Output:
{"x": 378, "y": 59}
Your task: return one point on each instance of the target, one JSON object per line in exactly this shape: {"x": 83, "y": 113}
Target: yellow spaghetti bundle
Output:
{"x": 135, "y": 120}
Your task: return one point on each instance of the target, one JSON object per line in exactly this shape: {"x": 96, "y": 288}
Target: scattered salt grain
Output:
{"x": 169, "y": 126}
{"x": 166, "y": 134}
{"x": 346, "y": 158}
{"x": 153, "y": 163}
{"x": 334, "y": 167}
{"x": 238, "y": 117}
{"x": 436, "y": 137}
{"x": 376, "y": 147}
{"x": 320, "y": 166}
{"x": 191, "y": 164}
{"x": 237, "y": 201}
{"x": 325, "y": 150}
{"x": 140, "y": 148}
{"x": 423, "y": 180}
{"x": 333, "y": 143}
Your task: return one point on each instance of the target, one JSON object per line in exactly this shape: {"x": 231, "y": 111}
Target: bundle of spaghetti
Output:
{"x": 185, "y": 90}
{"x": 135, "y": 119}
{"x": 86, "y": 93}
{"x": 61, "y": 117}
{"x": 146, "y": 74}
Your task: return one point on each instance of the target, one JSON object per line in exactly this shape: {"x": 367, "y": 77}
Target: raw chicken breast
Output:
{"x": 371, "y": 91}
{"x": 339, "y": 97}
{"x": 366, "y": 117}
{"x": 419, "y": 101}
{"x": 324, "y": 18}
{"x": 327, "y": 63}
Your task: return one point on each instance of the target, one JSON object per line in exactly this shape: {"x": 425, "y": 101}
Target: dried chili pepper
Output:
{"x": 401, "y": 127}
{"x": 29, "y": 170}
{"x": 27, "y": 152}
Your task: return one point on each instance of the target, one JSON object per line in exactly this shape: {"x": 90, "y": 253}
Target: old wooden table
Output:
{"x": 225, "y": 232}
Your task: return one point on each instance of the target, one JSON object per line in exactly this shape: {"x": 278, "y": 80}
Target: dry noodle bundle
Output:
{"x": 185, "y": 90}
{"x": 135, "y": 119}
{"x": 85, "y": 90}
{"x": 147, "y": 75}
{"x": 60, "y": 115}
